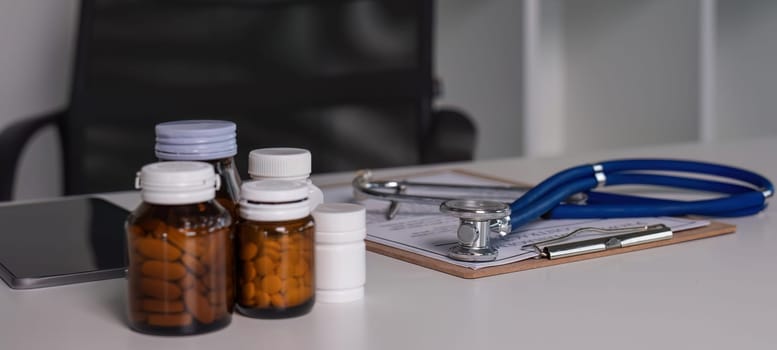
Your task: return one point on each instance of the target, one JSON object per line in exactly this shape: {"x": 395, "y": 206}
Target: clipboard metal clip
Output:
{"x": 611, "y": 239}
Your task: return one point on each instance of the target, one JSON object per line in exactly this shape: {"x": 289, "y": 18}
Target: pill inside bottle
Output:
{"x": 275, "y": 250}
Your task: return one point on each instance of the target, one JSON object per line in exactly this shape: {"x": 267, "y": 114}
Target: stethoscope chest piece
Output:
{"x": 477, "y": 218}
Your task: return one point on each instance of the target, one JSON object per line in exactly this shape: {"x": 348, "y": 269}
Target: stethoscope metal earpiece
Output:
{"x": 477, "y": 219}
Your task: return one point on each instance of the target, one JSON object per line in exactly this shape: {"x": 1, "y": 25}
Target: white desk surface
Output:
{"x": 717, "y": 293}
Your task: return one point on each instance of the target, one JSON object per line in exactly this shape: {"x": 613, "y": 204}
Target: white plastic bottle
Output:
{"x": 282, "y": 163}
{"x": 340, "y": 252}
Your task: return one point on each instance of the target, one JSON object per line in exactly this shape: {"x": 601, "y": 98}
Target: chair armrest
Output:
{"x": 13, "y": 139}
{"x": 451, "y": 137}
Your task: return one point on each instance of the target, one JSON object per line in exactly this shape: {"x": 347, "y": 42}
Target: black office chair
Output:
{"x": 350, "y": 80}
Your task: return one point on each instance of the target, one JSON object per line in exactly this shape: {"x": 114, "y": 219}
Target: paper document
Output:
{"x": 422, "y": 229}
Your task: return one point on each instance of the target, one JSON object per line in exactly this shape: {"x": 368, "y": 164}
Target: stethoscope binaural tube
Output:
{"x": 545, "y": 199}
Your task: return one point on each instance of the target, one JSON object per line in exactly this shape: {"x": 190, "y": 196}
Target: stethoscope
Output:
{"x": 570, "y": 194}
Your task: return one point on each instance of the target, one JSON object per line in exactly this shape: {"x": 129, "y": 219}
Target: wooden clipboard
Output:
{"x": 715, "y": 228}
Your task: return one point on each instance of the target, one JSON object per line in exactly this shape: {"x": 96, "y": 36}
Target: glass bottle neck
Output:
{"x": 230, "y": 178}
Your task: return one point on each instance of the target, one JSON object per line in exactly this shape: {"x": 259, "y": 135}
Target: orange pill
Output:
{"x": 249, "y": 271}
{"x": 135, "y": 231}
{"x": 157, "y": 249}
{"x": 215, "y": 255}
{"x": 283, "y": 270}
{"x": 187, "y": 241}
{"x": 277, "y": 300}
{"x": 170, "y": 271}
{"x": 262, "y": 300}
{"x": 163, "y": 306}
{"x": 274, "y": 255}
{"x": 300, "y": 268}
{"x": 199, "y": 306}
{"x": 188, "y": 281}
{"x": 201, "y": 287}
{"x": 284, "y": 241}
{"x": 289, "y": 284}
{"x": 291, "y": 256}
{"x": 136, "y": 264}
{"x": 216, "y": 280}
{"x": 137, "y": 258}
{"x": 192, "y": 264}
{"x": 271, "y": 284}
{"x": 160, "y": 289}
{"x": 150, "y": 225}
{"x": 264, "y": 266}
{"x": 170, "y": 320}
{"x": 222, "y": 232}
{"x": 248, "y": 291}
{"x": 272, "y": 245}
{"x": 248, "y": 251}
{"x": 160, "y": 230}
{"x": 292, "y": 297}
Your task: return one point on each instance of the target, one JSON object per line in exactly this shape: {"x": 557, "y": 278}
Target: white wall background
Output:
{"x": 623, "y": 73}
{"x": 478, "y": 59}
{"x": 746, "y": 60}
{"x": 631, "y": 72}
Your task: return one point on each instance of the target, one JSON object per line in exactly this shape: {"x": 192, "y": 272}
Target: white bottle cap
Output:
{"x": 274, "y": 200}
{"x": 279, "y": 163}
{"x": 196, "y": 140}
{"x": 340, "y": 222}
{"x": 177, "y": 182}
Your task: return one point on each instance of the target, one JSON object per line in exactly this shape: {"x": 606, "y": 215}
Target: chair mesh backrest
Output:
{"x": 349, "y": 80}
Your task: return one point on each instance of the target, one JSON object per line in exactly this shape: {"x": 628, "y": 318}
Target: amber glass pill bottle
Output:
{"x": 275, "y": 249}
{"x": 212, "y": 141}
{"x": 181, "y": 251}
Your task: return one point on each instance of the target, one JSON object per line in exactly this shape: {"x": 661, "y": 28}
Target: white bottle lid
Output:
{"x": 196, "y": 140}
{"x": 280, "y": 162}
{"x": 177, "y": 182}
{"x": 340, "y": 222}
{"x": 274, "y": 200}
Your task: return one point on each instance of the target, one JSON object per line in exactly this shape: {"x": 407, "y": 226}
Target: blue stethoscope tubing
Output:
{"x": 546, "y": 199}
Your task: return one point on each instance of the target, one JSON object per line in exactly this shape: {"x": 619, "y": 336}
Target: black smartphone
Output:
{"x": 61, "y": 241}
